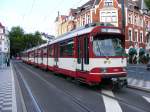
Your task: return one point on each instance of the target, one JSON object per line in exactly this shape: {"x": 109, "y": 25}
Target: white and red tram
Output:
{"x": 91, "y": 54}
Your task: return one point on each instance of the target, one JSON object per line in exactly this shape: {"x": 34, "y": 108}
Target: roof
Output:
{"x": 62, "y": 17}
{"x": 88, "y": 5}
{"x": 1, "y": 25}
{"x": 73, "y": 12}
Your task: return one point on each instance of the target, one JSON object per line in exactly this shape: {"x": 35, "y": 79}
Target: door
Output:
{"x": 83, "y": 53}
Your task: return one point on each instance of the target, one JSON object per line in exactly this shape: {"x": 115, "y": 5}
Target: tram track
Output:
{"x": 34, "y": 105}
{"x": 81, "y": 103}
{"x": 74, "y": 99}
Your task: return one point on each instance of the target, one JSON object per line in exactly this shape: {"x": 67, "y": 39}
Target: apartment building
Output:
{"x": 4, "y": 44}
{"x": 137, "y": 18}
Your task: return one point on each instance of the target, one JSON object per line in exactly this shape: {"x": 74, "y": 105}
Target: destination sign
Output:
{"x": 110, "y": 30}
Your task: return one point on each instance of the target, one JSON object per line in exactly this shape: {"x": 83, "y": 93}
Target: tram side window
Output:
{"x": 66, "y": 48}
{"x": 45, "y": 52}
{"x": 36, "y": 53}
{"x": 39, "y": 53}
{"x": 51, "y": 51}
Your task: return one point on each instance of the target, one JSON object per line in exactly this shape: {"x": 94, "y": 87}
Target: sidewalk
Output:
{"x": 138, "y": 76}
{"x": 7, "y": 90}
{"x": 139, "y": 84}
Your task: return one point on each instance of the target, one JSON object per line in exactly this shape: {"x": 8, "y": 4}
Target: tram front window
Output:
{"x": 107, "y": 46}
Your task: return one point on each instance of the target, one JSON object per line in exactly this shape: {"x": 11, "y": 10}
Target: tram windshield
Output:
{"x": 108, "y": 46}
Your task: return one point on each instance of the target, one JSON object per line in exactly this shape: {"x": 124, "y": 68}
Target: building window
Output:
{"x": 141, "y": 37}
{"x": 130, "y": 19}
{"x": 136, "y": 36}
{"x": 1, "y": 30}
{"x": 108, "y": 3}
{"x": 146, "y": 25}
{"x": 130, "y": 35}
{"x": 109, "y": 17}
{"x": 83, "y": 21}
{"x": 114, "y": 17}
{"x": 88, "y": 19}
{"x": 135, "y": 20}
{"x": 141, "y": 22}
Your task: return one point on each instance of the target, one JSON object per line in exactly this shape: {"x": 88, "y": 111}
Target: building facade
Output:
{"x": 137, "y": 19}
{"x": 4, "y": 45}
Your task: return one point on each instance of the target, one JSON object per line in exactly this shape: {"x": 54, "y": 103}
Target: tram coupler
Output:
{"x": 119, "y": 82}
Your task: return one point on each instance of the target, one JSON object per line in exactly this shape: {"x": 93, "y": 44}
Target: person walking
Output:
{"x": 8, "y": 62}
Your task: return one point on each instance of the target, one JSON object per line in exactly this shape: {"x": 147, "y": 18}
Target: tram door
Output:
{"x": 55, "y": 55}
{"x": 82, "y": 53}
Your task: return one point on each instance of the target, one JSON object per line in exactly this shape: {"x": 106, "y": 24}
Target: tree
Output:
{"x": 147, "y": 3}
{"x": 19, "y": 41}
{"x": 16, "y": 40}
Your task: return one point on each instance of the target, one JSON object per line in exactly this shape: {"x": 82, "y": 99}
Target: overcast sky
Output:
{"x": 33, "y": 15}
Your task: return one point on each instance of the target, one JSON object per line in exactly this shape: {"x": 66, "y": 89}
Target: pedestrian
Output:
{"x": 5, "y": 62}
{"x": 8, "y": 62}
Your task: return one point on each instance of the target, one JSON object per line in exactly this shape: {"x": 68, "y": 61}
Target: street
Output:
{"x": 139, "y": 71}
{"x": 45, "y": 92}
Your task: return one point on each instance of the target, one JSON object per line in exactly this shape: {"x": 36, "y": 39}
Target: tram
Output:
{"x": 92, "y": 54}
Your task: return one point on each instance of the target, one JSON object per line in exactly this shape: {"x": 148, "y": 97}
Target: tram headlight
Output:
{"x": 104, "y": 70}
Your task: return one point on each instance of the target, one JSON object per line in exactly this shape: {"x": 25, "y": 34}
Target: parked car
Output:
{"x": 148, "y": 65}
{"x": 18, "y": 58}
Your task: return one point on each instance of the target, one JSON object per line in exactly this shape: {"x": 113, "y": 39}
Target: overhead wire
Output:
{"x": 30, "y": 11}
{"x": 59, "y": 6}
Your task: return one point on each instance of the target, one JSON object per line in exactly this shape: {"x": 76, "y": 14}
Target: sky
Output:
{"x": 35, "y": 15}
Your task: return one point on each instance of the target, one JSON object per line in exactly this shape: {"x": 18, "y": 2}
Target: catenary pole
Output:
{"x": 123, "y": 15}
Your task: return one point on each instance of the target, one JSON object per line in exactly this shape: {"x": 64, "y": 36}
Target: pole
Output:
{"x": 123, "y": 15}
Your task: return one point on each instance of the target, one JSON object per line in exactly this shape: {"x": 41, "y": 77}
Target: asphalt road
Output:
{"x": 138, "y": 72}
{"x": 46, "y": 92}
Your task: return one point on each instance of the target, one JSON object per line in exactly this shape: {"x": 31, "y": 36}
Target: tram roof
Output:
{"x": 71, "y": 34}
{"x": 36, "y": 47}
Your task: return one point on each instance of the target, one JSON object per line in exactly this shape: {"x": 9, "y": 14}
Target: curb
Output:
{"x": 139, "y": 88}
{"x": 14, "y": 98}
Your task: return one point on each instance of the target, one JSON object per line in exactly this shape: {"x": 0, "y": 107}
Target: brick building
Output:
{"x": 137, "y": 17}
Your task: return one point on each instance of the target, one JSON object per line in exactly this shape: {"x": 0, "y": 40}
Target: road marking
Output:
{"x": 146, "y": 98}
{"x": 148, "y": 84}
{"x": 131, "y": 70}
{"x": 111, "y": 105}
{"x": 129, "y": 80}
{"x": 134, "y": 81}
{"x": 141, "y": 83}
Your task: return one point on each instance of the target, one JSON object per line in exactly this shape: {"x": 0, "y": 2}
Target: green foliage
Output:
{"x": 19, "y": 41}
{"x": 147, "y": 3}
{"x": 132, "y": 51}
